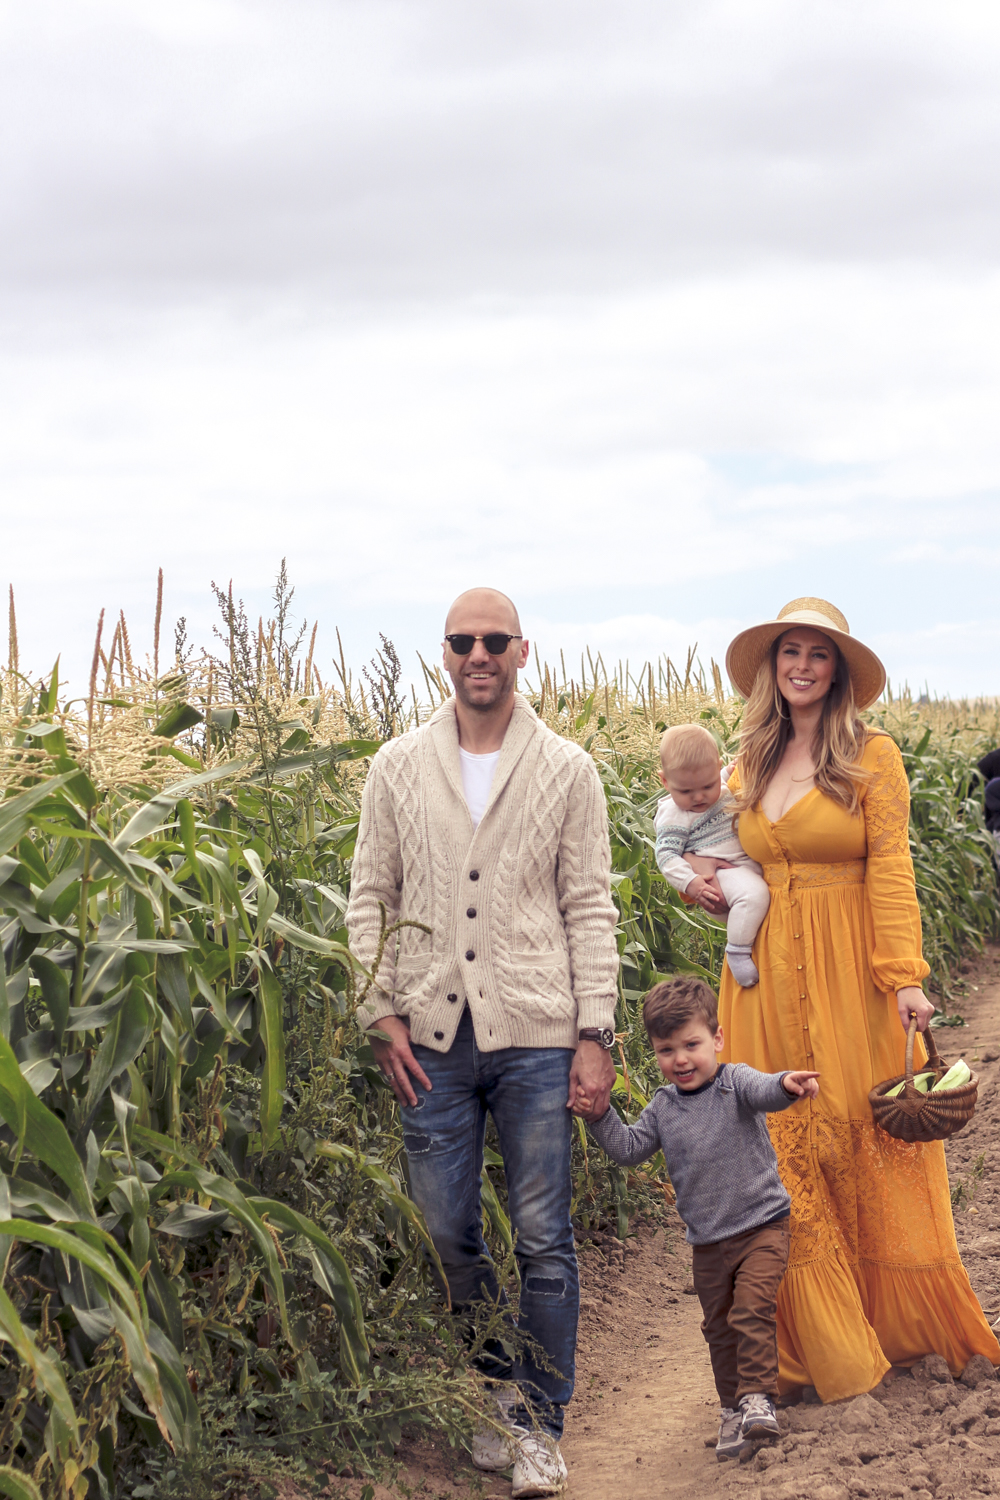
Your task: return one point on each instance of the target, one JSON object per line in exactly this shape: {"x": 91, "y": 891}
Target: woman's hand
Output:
{"x": 705, "y": 866}
{"x": 706, "y": 894}
{"x": 913, "y": 1001}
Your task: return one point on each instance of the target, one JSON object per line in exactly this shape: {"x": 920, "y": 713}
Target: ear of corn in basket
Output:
{"x": 956, "y": 1075}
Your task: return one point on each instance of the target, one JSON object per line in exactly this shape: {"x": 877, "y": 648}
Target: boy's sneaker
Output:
{"x": 759, "y": 1419}
{"x": 540, "y": 1468}
{"x": 730, "y": 1434}
{"x": 493, "y": 1450}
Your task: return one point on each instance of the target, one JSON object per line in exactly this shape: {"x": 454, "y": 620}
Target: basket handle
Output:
{"x": 933, "y": 1056}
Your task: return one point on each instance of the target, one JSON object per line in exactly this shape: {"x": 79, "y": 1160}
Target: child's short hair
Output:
{"x": 684, "y": 747}
{"x": 673, "y": 1002}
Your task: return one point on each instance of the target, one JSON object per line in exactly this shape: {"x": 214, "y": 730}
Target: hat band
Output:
{"x": 810, "y": 617}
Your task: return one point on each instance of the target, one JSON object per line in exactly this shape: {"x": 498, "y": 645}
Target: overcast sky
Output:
{"x": 654, "y": 316}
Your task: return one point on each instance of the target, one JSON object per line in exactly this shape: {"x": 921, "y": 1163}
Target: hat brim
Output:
{"x": 748, "y": 651}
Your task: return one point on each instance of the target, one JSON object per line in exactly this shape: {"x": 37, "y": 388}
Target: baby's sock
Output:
{"x": 741, "y": 965}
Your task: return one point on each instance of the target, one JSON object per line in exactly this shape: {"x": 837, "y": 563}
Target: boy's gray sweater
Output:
{"x": 717, "y": 1149}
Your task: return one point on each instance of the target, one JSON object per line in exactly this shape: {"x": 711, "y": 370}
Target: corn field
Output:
{"x": 212, "y": 1272}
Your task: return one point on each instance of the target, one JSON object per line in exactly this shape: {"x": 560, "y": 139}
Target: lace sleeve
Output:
{"x": 887, "y": 803}
{"x": 893, "y": 913}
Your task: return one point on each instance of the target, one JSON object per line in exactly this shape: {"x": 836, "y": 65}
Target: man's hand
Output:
{"x": 800, "y": 1084}
{"x": 396, "y": 1059}
{"x": 591, "y": 1079}
{"x": 910, "y": 1001}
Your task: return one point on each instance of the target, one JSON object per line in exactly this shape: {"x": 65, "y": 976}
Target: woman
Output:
{"x": 874, "y": 1276}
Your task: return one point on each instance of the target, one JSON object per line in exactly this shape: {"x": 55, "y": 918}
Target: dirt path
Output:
{"x": 645, "y": 1396}
{"x": 645, "y": 1405}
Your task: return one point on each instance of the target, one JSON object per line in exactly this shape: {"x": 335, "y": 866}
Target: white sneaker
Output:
{"x": 759, "y": 1416}
{"x": 730, "y": 1443}
{"x": 540, "y": 1468}
{"x": 493, "y": 1450}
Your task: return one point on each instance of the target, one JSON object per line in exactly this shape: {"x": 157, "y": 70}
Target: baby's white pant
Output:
{"x": 748, "y": 899}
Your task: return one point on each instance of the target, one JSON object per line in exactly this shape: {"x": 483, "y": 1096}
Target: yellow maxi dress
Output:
{"x": 874, "y": 1276}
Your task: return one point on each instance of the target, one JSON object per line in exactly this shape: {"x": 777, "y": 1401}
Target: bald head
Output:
{"x": 481, "y": 610}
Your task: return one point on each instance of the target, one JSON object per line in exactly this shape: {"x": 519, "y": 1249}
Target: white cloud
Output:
{"x": 946, "y": 659}
{"x": 430, "y": 148}
{"x": 626, "y": 643}
{"x": 652, "y": 315}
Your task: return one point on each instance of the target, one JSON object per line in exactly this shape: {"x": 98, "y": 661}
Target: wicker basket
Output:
{"x": 913, "y": 1116}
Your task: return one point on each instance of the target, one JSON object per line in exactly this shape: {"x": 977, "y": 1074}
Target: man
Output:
{"x": 490, "y": 830}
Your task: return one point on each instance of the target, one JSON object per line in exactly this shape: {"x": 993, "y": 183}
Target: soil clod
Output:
{"x": 933, "y": 1367}
{"x": 977, "y": 1370}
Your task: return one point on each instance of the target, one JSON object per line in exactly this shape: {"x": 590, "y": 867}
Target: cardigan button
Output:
{"x": 471, "y": 912}
{"x": 473, "y": 874}
{"x": 469, "y": 954}
{"x": 439, "y": 1036}
{"x": 453, "y": 998}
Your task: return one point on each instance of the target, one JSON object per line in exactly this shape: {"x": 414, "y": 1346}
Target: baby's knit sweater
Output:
{"x": 707, "y": 831}
{"x": 717, "y": 1149}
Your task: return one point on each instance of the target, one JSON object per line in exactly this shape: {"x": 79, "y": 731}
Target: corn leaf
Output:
{"x": 39, "y": 1130}
{"x": 272, "y": 1033}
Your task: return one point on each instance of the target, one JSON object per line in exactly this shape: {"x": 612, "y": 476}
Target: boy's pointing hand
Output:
{"x": 801, "y": 1084}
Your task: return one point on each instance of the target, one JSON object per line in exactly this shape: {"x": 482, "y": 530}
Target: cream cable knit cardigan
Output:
{"x": 520, "y": 911}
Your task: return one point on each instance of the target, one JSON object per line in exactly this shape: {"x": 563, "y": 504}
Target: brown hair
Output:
{"x": 685, "y": 747}
{"x": 840, "y": 740}
{"x": 673, "y": 1002}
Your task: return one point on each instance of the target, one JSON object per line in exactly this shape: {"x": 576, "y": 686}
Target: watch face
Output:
{"x": 607, "y": 1038}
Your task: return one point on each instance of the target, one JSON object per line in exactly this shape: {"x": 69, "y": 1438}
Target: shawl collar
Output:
{"x": 442, "y": 728}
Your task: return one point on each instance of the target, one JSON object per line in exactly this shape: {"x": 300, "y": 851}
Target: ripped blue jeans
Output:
{"x": 525, "y": 1090}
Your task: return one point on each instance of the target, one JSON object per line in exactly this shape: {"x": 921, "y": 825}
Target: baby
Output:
{"x": 695, "y": 819}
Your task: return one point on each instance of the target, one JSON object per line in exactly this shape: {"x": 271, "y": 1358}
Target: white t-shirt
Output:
{"x": 477, "y": 779}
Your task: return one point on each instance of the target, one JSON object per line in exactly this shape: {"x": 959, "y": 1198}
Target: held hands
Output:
{"x": 912, "y": 1001}
{"x": 591, "y": 1079}
{"x": 801, "y": 1084}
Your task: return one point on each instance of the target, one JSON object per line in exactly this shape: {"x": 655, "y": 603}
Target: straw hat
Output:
{"x": 750, "y": 648}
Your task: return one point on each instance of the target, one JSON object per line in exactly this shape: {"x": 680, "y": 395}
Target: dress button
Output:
{"x": 802, "y": 997}
{"x": 439, "y": 1036}
{"x": 453, "y": 998}
{"x": 471, "y": 912}
{"x": 473, "y": 874}
{"x": 798, "y": 966}
{"x": 470, "y": 956}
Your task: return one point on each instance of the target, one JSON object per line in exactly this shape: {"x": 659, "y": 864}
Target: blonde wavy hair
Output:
{"x": 766, "y": 727}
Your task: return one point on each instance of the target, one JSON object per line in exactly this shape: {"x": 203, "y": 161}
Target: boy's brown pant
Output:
{"x": 737, "y": 1283}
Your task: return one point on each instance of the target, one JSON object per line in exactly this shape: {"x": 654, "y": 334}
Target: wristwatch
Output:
{"x": 604, "y": 1036}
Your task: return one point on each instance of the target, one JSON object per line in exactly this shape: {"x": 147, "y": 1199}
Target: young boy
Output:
{"x": 695, "y": 819}
{"x": 709, "y": 1122}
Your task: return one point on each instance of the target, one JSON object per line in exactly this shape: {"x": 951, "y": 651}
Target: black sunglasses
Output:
{"x": 496, "y": 643}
